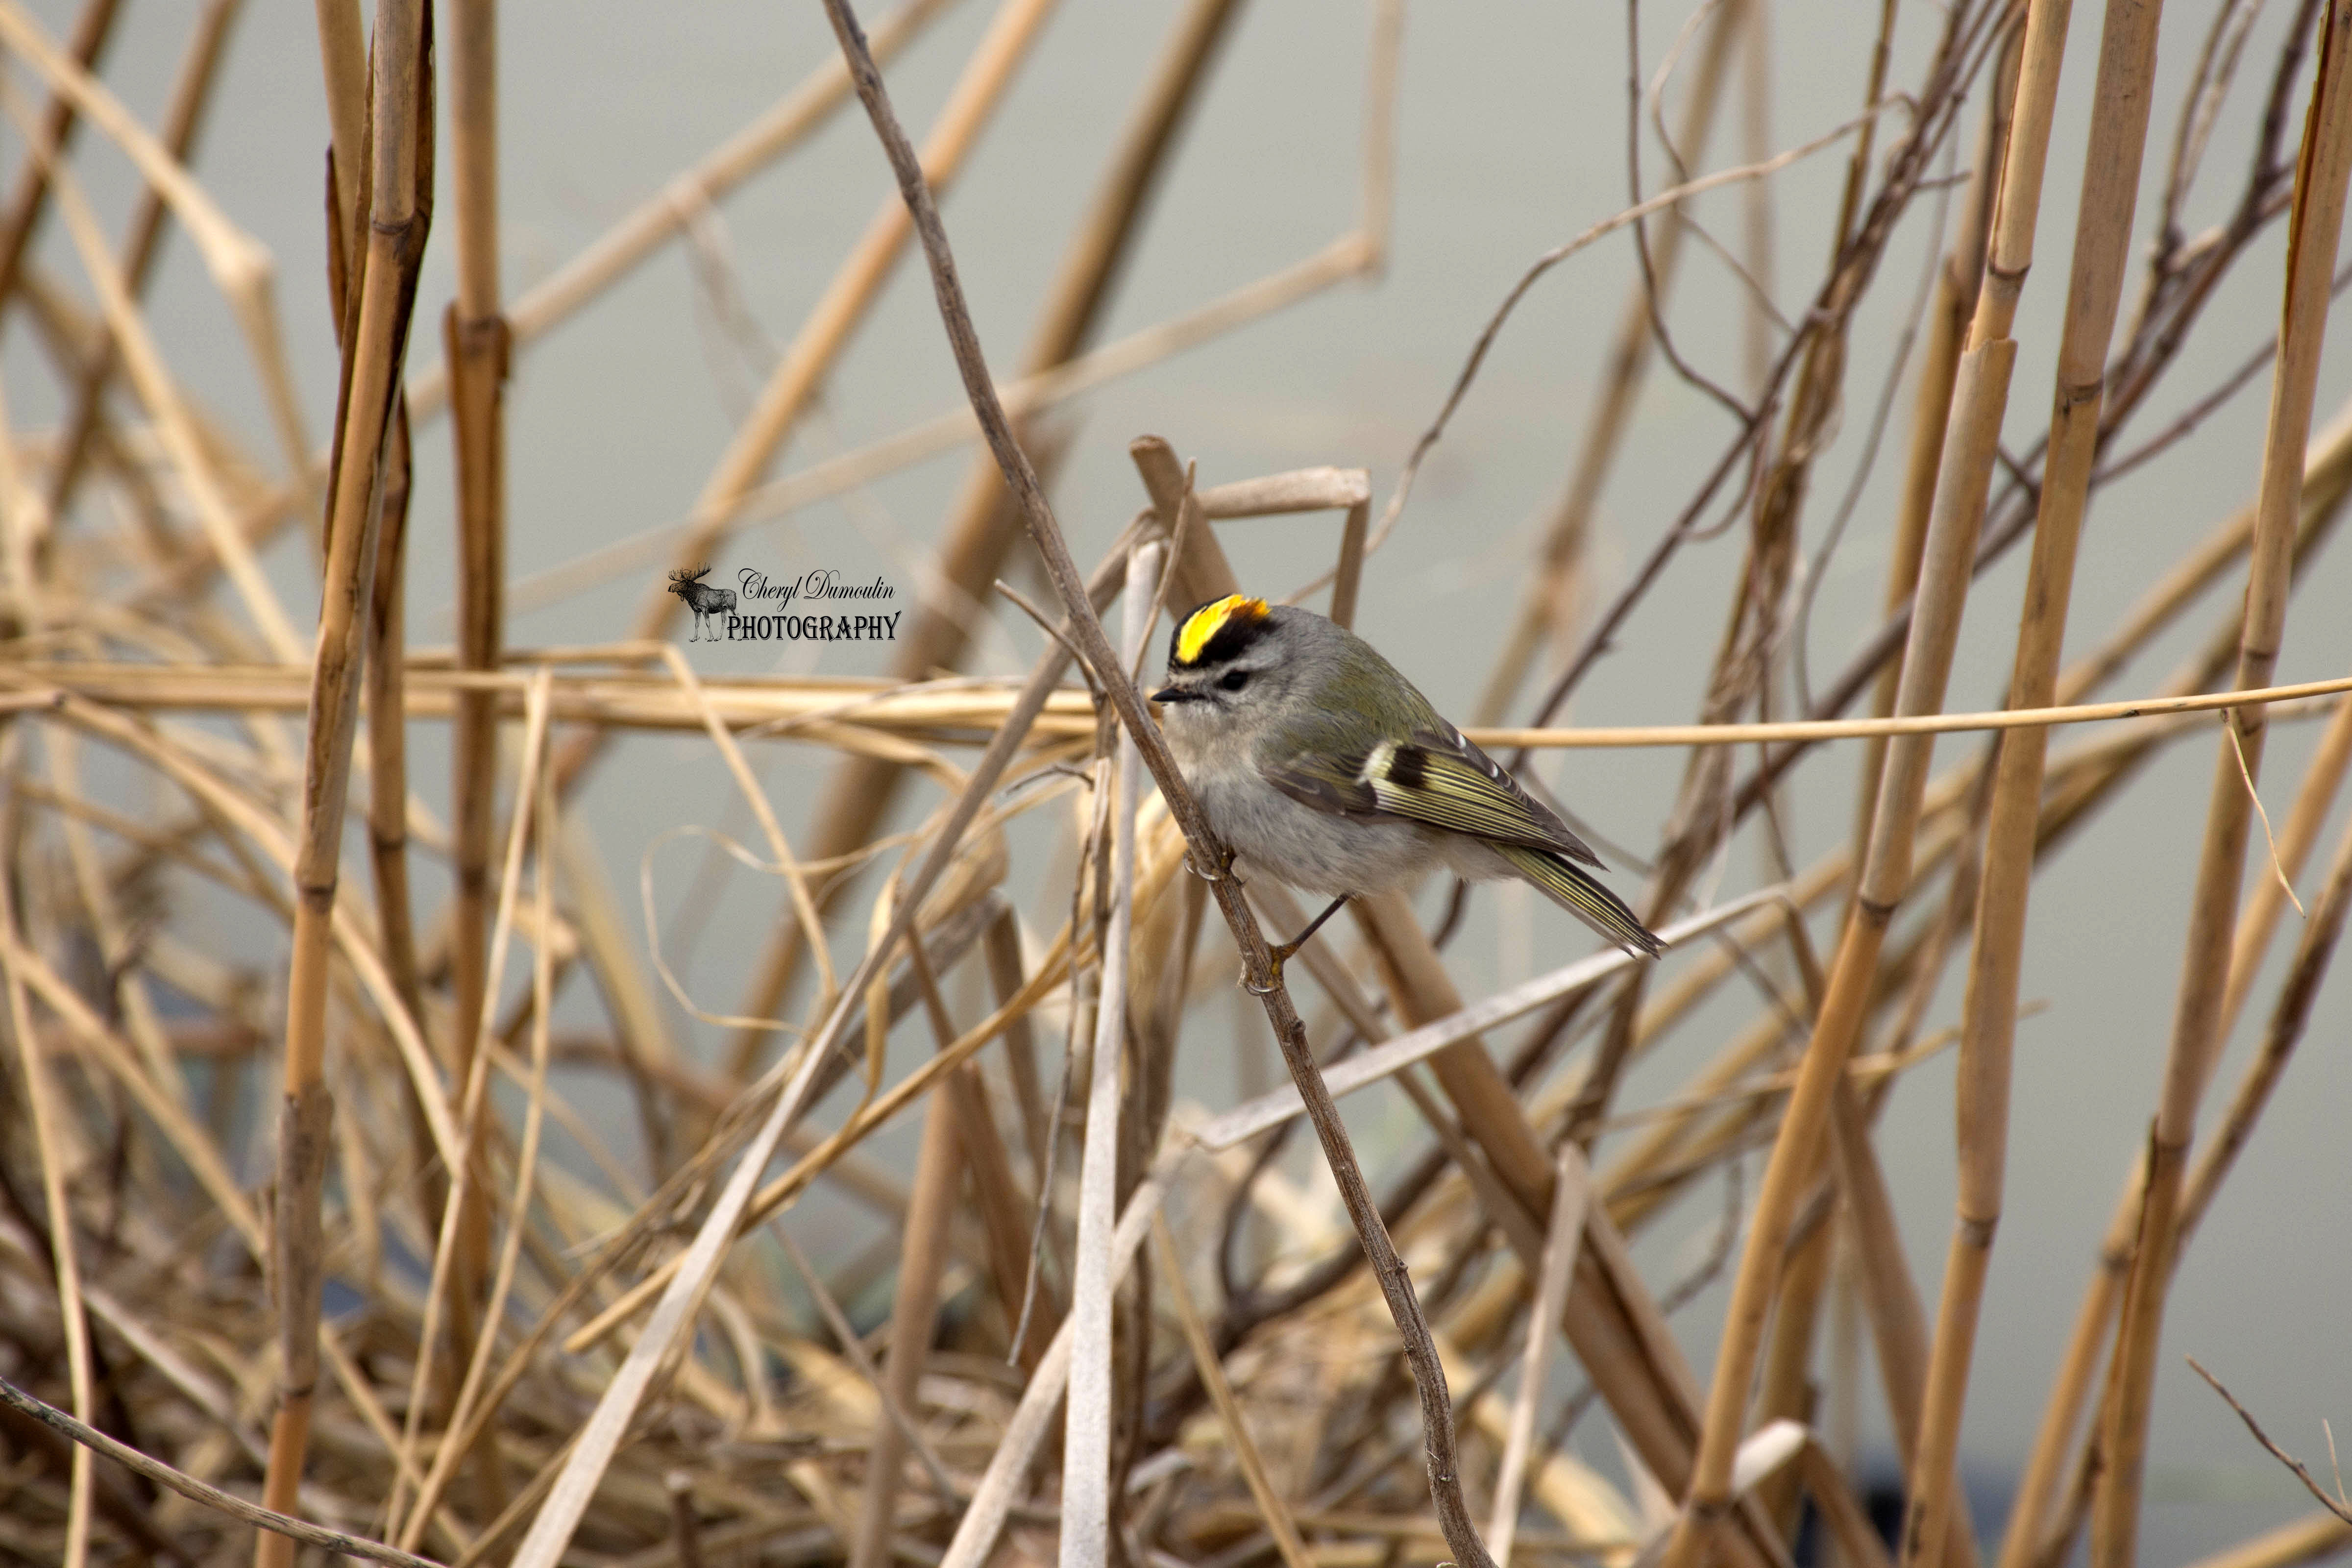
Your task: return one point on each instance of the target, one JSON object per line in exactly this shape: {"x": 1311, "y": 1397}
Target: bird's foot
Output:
{"x": 1281, "y": 955}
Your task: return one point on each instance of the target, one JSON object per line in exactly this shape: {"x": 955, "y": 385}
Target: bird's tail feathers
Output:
{"x": 1585, "y": 897}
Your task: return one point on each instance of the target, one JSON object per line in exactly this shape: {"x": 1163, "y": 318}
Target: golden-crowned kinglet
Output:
{"x": 1322, "y": 765}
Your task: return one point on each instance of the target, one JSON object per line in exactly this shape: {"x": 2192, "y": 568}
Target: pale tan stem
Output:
{"x": 342, "y": 52}
{"x": 401, "y": 186}
{"x": 2312, "y": 240}
{"x": 1958, "y": 281}
{"x": 1980, "y": 398}
{"x": 1086, "y": 1432}
{"x": 474, "y": 336}
{"x": 1989, "y": 1023}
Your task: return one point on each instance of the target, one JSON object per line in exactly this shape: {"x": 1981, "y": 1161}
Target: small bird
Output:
{"x": 1322, "y": 765}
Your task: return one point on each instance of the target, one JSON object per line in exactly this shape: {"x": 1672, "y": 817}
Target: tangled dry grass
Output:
{"x": 1119, "y": 1329}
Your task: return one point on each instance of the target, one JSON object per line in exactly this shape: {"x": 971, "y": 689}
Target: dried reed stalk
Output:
{"x": 148, "y": 1031}
{"x": 914, "y": 1318}
{"x": 375, "y": 340}
{"x": 92, "y": 30}
{"x": 1958, "y": 281}
{"x": 190, "y": 94}
{"x": 1978, "y": 400}
{"x": 474, "y": 336}
{"x": 2103, "y": 233}
{"x": 2313, "y": 231}
{"x": 1086, "y": 1429}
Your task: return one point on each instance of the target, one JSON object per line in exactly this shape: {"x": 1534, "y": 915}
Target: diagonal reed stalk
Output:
{"x": 1396, "y": 1285}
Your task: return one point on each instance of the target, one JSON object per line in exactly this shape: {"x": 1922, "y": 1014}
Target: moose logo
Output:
{"x": 703, "y": 599}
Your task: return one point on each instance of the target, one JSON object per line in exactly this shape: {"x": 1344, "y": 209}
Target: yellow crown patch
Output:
{"x": 1211, "y": 618}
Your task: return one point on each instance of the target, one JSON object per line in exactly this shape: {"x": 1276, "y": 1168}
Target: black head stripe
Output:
{"x": 1232, "y": 623}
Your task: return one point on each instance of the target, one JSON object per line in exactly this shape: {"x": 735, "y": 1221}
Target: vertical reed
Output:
{"x": 400, "y": 186}
{"x": 2312, "y": 237}
{"x": 2103, "y": 235}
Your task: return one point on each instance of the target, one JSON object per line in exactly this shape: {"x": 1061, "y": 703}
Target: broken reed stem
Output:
{"x": 979, "y": 536}
{"x": 2103, "y": 248}
{"x": 1396, "y": 1285}
{"x": 2311, "y": 239}
{"x": 401, "y": 184}
{"x": 1980, "y": 399}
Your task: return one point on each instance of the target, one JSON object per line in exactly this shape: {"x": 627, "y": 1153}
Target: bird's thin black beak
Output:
{"x": 1173, "y": 694}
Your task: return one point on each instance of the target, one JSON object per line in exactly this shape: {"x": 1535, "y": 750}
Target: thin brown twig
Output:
{"x": 2336, "y": 1506}
{"x": 211, "y": 1497}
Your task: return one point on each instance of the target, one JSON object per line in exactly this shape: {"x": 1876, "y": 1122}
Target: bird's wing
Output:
{"x": 1434, "y": 776}
{"x": 1583, "y": 896}
{"x": 1438, "y": 778}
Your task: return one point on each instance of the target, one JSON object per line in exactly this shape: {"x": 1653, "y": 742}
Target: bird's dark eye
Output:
{"x": 1235, "y": 679}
